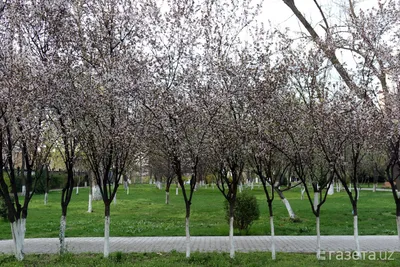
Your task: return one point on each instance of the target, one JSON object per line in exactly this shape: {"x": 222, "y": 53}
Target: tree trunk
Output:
{"x": 374, "y": 187}
{"x": 271, "y": 221}
{"x": 398, "y": 225}
{"x": 176, "y": 191}
{"x": 316, "y": 200}
{"x": 318, "y": 238}
{"x": 303, "y": 190}
{"x": 331, "y": 189}
{"x": 166, "y": 197}
{"x": 23, "y": 192}
{"x": 289, "y": 208}
{"x": 356, "y": 235}
{"x": 46, "y": 196}
{"x": 90, "y": 203}
{"x": 63, "y": 224}
{"x": 286, "y": 202}
{"x": 77, "y": 189}
{"x": 90, "y": 198}
{"x": 232, "y": 245}
{"x": 107, "y": 236}
{"x": 115, "y": 199}
{"x": 187, "y": 238}
{"x": 18, "y": 233}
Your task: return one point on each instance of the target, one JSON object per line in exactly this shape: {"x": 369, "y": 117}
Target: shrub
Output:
{"x": 3, "y": 208}
{"x": 246, "y": 211}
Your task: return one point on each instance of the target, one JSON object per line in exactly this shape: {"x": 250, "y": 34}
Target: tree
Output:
{"x": 268, "y": 83}
{"x": 390, "y": 129}
{"x": 226, "y": 62}
{"x": 369, "y": 37}
{"x": 51, "y": 40}
{"x": 161, "y": 166}
{"x": 305, "y": 120}
{"x": 23, "y": 112}
{"x": 107, "y": 40}
{"x": 176, "y": 98}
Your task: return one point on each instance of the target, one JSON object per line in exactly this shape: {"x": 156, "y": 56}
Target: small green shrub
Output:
{"x": 246, "y": 211}
{"x": 3, "y": 208}
{"x": 296, "y": 220}
{"x": 117, "y": 256}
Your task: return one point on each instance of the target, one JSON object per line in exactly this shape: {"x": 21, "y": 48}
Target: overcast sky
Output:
{"x": 281, "y": 16}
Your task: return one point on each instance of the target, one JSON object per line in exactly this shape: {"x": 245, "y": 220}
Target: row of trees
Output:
{"x": 199, "y": 84}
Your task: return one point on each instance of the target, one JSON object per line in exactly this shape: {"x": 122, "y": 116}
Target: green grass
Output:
{"x": 196, "y": 259}
{"x": 144, "y": 213}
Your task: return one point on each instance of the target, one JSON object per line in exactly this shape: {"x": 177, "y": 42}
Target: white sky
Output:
{"x": 281, "y": 16}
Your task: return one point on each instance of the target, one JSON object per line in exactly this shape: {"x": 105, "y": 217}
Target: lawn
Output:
{"x": 196, "y": 259}
{"x": 144, "y": 213}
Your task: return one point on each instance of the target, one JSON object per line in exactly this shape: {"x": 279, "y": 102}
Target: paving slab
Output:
{"x": 303, "y": 244}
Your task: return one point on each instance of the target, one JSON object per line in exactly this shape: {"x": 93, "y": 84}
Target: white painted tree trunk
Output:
{"x": 18, "y": 233}
{"x": 271, "y": 221}
{"x": 187, "y": 238}
{"x": 107, "y": 236}
{"x": 374, "y": 187}
{"x": 331, "y": 189}
{"x": 318, "y": 238}
{"x": 231, "y": 243}
{"x": 350, "y": 187}
{"x": 23, "y": 193}
{"x": 240, "y": 188}
{"x": 63, "y": 224}
{"x": 127, "y": 190}
{"x": 252, "y": 186}
{"x": 302, "y": 193}
{"x": 115, "y": 199}
{"x": 289, "y": 208}
{"x": 77, "y": 190}
{"x": 96, "y": 194}
{"x": 358, "y": 193}
{"x": 166, "y": 197}
{"x": 46, "y": 197}
{"x": 398, "y": 226}
{"x": 176, "y": 191}
{"x": 90, "y": 203}
{"x": 316, "y": 200}
{"x": 356, "y": 238}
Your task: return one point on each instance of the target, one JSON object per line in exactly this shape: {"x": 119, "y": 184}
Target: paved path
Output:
{"x": 206, "y": 243}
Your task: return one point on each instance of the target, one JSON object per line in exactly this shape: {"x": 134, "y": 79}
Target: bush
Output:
{"x": 3, "y": 208}
{"x": 246, "y": 211}
{"x": 57, "y": 180}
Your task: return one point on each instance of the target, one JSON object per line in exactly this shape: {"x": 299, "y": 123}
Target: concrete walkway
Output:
{"x": 207, "y": 244}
